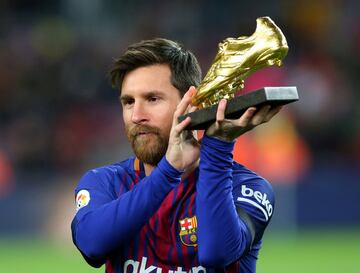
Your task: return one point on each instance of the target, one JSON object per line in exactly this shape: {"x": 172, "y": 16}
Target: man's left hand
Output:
{"x": 230, "y": 129}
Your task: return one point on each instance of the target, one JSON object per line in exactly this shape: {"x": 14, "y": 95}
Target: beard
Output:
{"x": 148, "y": 143}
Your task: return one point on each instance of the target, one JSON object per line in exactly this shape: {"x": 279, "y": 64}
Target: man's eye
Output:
{"x": 153, "y": 99}
{"x": 127, "y": 102}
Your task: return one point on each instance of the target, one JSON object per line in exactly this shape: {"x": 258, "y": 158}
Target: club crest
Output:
{"x": 188, "y": 227}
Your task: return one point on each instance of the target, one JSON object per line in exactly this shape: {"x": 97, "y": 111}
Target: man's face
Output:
{"x": 149, "y": 101}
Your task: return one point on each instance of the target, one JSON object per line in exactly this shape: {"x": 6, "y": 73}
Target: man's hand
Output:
{"x": 230, "y": 129}
{"x": 183, "y": 150}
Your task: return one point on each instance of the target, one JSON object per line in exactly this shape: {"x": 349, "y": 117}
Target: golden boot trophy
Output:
{"x": 236, "y": 59}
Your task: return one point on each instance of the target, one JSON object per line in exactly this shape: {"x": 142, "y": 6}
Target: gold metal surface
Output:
{"x": 237, "y": 58}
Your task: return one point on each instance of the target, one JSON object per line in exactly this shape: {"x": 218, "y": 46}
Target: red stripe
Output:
{"x": 164, "y": 213}
{"x": 233, "y": 268}
{"x": 147, "y": 242}
{"x": 182, "y": 195}
{"x": 142, "y": 244}
{"x": 150, "y": 242}
{"x": 165, "y": 237}
{"x": 192, "y": 211}
{"x": 192, "y": 198}
{"x": 122, "y": 184}
{"x": 131, "y": 252}
{"x": 108, "y": 267}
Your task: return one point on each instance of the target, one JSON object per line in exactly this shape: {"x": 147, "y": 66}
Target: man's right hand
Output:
{"x": 183, "y": 149}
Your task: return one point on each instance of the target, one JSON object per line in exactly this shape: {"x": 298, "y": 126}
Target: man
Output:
{"x": 180, "y": 205}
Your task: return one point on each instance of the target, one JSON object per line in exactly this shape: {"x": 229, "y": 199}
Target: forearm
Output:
{"x": 110, "y": 225}
{"x": 222, "y": 236}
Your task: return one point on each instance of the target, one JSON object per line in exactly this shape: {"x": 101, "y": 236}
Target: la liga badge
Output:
{"x": 82, "y": 199}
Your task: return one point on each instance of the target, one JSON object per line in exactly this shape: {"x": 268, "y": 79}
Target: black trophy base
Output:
{"x": 274, "y": 96}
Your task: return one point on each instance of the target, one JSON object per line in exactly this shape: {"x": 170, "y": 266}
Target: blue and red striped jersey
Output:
{"x": 211, "y": 221}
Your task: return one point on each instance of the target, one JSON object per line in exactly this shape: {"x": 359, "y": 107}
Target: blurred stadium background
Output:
{"x": 60, "y": 117}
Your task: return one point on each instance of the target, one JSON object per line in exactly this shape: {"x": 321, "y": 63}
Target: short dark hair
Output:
{"x": 185, "y": 69}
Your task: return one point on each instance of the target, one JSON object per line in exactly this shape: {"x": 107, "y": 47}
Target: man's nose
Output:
{"x": 139, "y": 113}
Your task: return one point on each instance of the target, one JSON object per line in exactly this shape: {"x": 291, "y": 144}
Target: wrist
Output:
{"x": 217, "y": 144}
{"x": 175, "y": 164}
{"x": 221, "y": 138}
{"x": 167, "y": 167}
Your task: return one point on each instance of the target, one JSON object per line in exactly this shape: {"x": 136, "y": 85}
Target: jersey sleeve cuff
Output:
{"x": 173, "y": 175}
{"x": 217, "y": 145}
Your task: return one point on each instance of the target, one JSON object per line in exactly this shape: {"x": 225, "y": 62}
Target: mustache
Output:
{"x": 143, "y": 129}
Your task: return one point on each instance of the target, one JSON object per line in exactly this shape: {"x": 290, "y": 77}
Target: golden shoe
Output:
{"x": 237, "y": 58}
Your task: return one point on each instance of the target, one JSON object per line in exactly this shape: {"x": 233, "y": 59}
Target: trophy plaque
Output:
{"x": 236, "y": 59}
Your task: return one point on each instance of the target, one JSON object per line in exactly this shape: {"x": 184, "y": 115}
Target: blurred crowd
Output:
{"x": 59, "y": 115}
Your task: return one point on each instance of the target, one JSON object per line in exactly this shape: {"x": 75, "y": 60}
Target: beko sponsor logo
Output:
{"x": 262, "y": 202}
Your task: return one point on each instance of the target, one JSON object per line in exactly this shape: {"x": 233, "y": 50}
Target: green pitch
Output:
{"x": 316, "y": 251}
{"x": 312, "y": 251}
